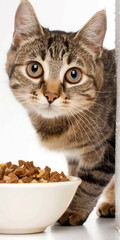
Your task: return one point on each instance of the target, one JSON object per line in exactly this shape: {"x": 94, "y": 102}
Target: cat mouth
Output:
{"x": 49, "y": 107}
{"x": 50, "y": 112}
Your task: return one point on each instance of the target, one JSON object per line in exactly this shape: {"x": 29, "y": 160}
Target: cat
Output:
{"x": 66, "y": 81}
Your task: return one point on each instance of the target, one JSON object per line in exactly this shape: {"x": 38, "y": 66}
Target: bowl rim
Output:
{"x": 73, "y": 180}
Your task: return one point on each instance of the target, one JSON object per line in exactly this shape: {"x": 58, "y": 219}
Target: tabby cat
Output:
{"x": 66, "y": 81}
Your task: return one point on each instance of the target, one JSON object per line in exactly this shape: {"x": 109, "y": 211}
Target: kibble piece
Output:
{"x": 29, "y": 164}
{"x": 41, "y": 172}
{"x": 27, "y": 173}
{"x": 34, "y": 181}
{"x": 46, "y": 175}
{"x": 23, "y": 170}
{"x": 32, "y": 170}
{"x": 6, "y": 178}
{"x": 13, "y": 166}
{"x": 64, "y": 179}
{"x": 13, "y": 180}
{"x": 47, "y": 169}
{"x": 19, "y": 171}
{"x": 8, "y": 170}
{"x": 55, "y": 177}
{"x": 2, "y": 164}
{"x": 20, "y": 181}
{"x": 36, "y": 169}
{"x": 3, "y": 168}
{"x": 21, "y": 163}
{"x": 43, "y": 180}
{"x": 1, "y": 181}
{"x": 12, "y": 176}
{"x": 27, "y": 179}
{"x": 8, "y": 164}
{"x": 1, "y": 174}
{"x": 62, "y": 174}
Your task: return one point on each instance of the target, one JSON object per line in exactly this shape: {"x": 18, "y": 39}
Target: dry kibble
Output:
{"x": 28, "y": 164}
{"x": 43, "y": 180}
{"x": 14, "y": 180}
{"x": 13, "y": 166}
{"x": 36, "y": 169}
{"x": 41, "y": 172}
{"x": 46, "y": 175}
{"x": 27, "y": 179}
{"x": 34, "y": 181}
{"x": 8, "y": 164}
{"x": 3, "y": 168}
{"x": 47, "y": 169}
{"x": 26, "y": 172}
{"x": 1, "y": 181}
{"x": 6, "y": 178}
{"x": 62, "y": 174}
{"x": 12, "y": 176}
{"x": 8, "y": 170}
{"x": 2, "y": 164}
{"x": 20, "y": 181}
{"x": 32, "y": 170}
{"x": 21, "y": 163}
{"x": 1, "y": 173}
{"x": 19, "y": 171}
{"x": 55, "y": 177}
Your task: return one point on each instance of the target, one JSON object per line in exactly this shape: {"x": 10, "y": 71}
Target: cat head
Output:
{"x": 54, "y": 73}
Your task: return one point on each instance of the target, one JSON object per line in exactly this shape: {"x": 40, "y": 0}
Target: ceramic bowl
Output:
{"x": 32, "y": 207}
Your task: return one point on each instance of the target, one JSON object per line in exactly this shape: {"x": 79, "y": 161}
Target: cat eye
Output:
{"x": 34, "y": 70}
{"x": 73, "y": 75}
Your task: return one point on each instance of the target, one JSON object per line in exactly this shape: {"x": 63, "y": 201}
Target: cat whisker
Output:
{"x": 108, "y": 109}
{"x": 106, "y": 92}
{"x": 72, "y": 127}
{"x": 78, "y": 110}
{"x": 96, "y": 132}
{"x": 93, "y": 147}
{"x": 102, "y": 105}
{"x": 86, "y": 132}
{"x": 28, "y": 101}
{"x": 84, "y": 113}
{"x": 78, "y": 127}
{"x": 88, "y": 110}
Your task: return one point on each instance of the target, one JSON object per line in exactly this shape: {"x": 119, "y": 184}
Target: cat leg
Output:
{"x": 94, "y": 180}
{"x": 106, "y": 204}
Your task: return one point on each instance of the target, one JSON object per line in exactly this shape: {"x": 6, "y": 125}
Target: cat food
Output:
{"x": 26, "y": 172}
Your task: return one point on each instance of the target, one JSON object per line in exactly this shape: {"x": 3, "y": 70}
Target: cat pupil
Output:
{"x": 34, "y": 68}
{"x": 73, "y": 74}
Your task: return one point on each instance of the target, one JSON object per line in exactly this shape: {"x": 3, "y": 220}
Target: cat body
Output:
{"x": 66, "y": 81}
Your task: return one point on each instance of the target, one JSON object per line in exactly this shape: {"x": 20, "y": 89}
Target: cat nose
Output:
{"x": 51, "y": 96}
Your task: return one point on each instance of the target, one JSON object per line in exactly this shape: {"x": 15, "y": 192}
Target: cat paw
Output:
{"x": 72, "y": 218}
{"x": 106, "y": 210}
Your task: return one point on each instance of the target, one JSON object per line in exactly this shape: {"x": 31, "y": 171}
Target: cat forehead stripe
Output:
{"x": 57, "y": 46}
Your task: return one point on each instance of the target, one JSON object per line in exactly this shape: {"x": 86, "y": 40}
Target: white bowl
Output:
{"x": 32, "y": 207}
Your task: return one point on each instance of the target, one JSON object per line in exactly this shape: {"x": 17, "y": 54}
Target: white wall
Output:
{"x": 17, "y": 136}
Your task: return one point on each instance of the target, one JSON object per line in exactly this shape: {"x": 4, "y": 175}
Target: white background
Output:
{"x": 17, "y": 136}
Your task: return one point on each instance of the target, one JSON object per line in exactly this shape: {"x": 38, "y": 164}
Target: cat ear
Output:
{"x": 26, "y": 22}
{"x": 93, "y": 33}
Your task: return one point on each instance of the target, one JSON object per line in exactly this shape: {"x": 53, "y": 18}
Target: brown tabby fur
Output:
{"x": 81, "y": 121}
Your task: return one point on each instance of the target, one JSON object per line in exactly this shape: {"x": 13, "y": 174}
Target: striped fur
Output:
{"x": 81, "y": 121}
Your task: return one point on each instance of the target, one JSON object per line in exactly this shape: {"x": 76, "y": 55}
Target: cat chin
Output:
{"x": 49, "y": 114}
